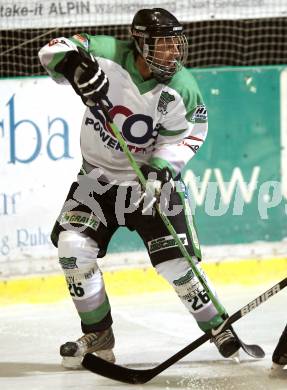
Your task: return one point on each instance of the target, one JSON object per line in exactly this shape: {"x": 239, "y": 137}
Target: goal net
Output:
{"x": 220, "y": 32}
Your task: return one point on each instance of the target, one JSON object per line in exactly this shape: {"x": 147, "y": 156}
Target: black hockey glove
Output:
{"x": 157, "y": 190}
{"x": 85, "y": 76}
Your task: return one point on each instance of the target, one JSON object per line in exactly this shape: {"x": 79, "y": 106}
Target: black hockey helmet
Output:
{"x": 159, "y": 38}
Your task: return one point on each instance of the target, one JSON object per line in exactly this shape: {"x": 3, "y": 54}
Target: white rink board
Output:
{"x": 39, "y": 158}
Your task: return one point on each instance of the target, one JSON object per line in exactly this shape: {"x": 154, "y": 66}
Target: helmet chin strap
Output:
{"x": 145, "y": 50}
{"x": 138, "y": 47}
{"x": 158, "y": 75}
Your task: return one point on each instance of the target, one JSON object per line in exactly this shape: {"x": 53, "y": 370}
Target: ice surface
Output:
{"x": 149, "y": 329}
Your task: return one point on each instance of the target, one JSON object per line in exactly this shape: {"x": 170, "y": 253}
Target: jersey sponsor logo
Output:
{"x": 194, "y": 148}
{"x": 56, "y": 41}
{"x": 165, "y": 243}
{"x": 164, "y": 100}
{"x": 68, "y": 262}
{"x": 137, "y": 129}
{"x": 200, "y": 113}
{"x": 80, "y": 218}
{"x": 189, "y": 141}
{"x": 83, "y": 40}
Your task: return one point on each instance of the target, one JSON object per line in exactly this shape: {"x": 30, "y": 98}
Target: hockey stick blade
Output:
{"x": 252, "y": 350}
{"x": 137, "y": 376}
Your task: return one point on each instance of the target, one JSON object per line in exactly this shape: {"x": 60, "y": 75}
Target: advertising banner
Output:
{"x": 65, "y": 13}
{"x": 39, "y": 158}
{"x": 238, "y": 179}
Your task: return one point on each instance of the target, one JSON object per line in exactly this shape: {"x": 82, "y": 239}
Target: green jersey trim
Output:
{"x": 143, "y": 86}
{"x": 169, "y": 133}
{"x": 160, "y": 163}
{"x": 190, "y": 95}
{"x": 213, "y": 323}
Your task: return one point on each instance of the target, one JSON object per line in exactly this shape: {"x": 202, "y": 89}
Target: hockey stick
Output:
{"x": 136, "y": 376}
{"x": 220, "y": 309}
{"x": 252, "y": 350}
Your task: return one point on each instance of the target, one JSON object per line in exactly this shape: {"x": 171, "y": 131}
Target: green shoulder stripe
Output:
{"x": 109, "y": 47}
{"x": 185, "y": 84}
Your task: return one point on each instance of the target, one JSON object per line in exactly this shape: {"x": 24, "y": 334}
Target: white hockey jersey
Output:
{"x": 162, "y": 124}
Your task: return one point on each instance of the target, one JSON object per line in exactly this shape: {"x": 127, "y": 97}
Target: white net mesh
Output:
{"x": 219, "y": 32}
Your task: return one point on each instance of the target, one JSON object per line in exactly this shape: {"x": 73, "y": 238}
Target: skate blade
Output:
{"x": 75, "y": 362}
{"x": 236, "y": 357}
{"x": 72, "y": 362}
{"x": 277, "y": 371}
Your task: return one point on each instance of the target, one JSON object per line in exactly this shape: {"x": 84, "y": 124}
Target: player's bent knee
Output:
{"x": 73, "y": 243}
{"x": 78, "y": 259}
{"x": 77, "y": 253}
{"x": 174, "y": 269}
{"x": 179, "y": 274}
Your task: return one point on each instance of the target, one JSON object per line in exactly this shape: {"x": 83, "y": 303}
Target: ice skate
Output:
{"x": 279, "y": 357}
{"x": 101, "y": 343}
{"x": 277, "y": 370}
{"x": 227, "y": 344}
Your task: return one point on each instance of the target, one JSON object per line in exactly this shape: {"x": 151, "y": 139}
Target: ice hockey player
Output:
{"x": 279, "y": 357}
{"x": 155, "y": 102}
